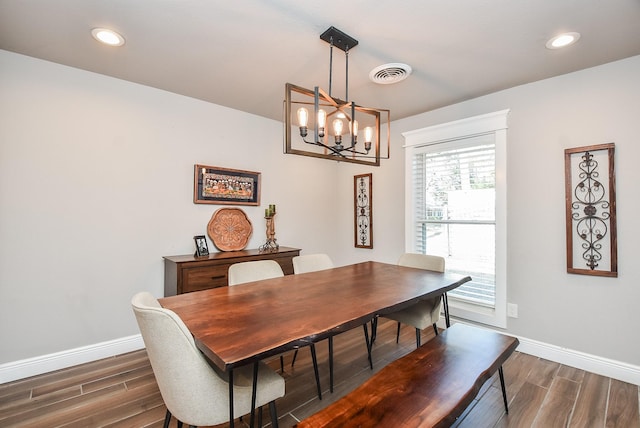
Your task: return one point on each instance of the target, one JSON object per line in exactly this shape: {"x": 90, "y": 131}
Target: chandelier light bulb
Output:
{"x": 303, "y": 117}
{"x": 322, "y": 118}
{"x": 354, "y": 131}
{"x": 337, "y": 127}
{"x": 322, "y": 121}
{"x": 368, "y": 134}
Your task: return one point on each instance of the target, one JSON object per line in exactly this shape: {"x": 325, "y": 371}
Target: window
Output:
{"x": 456, "y": 208}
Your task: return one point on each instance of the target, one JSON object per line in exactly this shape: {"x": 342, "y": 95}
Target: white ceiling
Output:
{"x": 241, "y": 53}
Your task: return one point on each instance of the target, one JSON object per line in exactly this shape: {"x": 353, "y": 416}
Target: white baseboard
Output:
{"x": 603, "y": 366}
{"x": 592, "y": 363}
{"x": 60, "y": 360}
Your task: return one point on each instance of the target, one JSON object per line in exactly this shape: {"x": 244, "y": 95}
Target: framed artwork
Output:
{"x": 590, "y": 198}
{"x": 215, "y": 185}
{"x": 363, "y": 210}
{"x": 201, "y": 246}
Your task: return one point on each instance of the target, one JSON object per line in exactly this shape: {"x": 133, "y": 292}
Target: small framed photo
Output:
{"x": 215, "y": 185}
{"x": 201, "y": 246}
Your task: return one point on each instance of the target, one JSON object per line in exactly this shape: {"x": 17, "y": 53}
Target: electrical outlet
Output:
{"x": 512, "y": 310}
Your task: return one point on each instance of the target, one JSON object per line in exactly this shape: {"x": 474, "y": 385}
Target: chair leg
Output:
{"x": 504, "y": 390}
{"x": 295, "y": 355}
{"x": 179, "y": 424}
{"x": 274, "y": 414}
{"x": 312, "y": 348}
{"x": 282, "y": 363}
{"x": 167, "y": 419}
{"x": 398, "y": 333}
{"x": 417, "y": 337}
{"x": 435, "y": 329}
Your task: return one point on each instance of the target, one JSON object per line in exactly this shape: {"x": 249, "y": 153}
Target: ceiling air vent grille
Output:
{"x": 387, "y": 74}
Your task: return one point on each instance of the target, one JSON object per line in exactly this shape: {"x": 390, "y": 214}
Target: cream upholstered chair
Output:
{"x": 193, "y": 391}
{"x": 242, "y": 272}
{"x": 311, "y": 263}
{"x": 239, "y": 273}
{"x": 425, "y": 312}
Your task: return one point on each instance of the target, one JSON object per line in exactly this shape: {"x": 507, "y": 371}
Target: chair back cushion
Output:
{"x": 311, "y": 263}
{"x": 192, "y": 391}
{"x": 422, "y": 261}
{"x": 239, "y": 273}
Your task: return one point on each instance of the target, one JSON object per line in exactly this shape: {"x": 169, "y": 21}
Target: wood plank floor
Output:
{"x": 121, "y": 391}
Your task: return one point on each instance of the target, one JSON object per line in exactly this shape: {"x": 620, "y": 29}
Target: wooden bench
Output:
{"x": 430, "y": 387}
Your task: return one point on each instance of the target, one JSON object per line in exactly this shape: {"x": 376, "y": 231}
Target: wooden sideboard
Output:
{"x": 184, "y": 274}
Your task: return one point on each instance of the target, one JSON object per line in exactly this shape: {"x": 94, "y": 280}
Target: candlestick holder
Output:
{"x": 271, "y": 244}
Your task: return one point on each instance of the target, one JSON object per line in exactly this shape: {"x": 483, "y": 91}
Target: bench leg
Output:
{"x": 504, "y": 390}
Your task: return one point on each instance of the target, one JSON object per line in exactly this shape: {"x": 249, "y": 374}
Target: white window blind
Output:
{"x": 454, "y": 196}
{"x": 455, "y": 193}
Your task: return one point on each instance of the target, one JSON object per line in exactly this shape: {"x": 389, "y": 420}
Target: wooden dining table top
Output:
{"x": 241, "y": 324}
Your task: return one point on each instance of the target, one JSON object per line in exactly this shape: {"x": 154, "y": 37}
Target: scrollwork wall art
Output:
{"x": 363, "y": 210}
{"x": 590, "y": 195}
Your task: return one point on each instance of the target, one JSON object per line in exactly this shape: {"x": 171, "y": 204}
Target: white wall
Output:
{"x": 594, "y": 315}
{"x": 96, "y": 186}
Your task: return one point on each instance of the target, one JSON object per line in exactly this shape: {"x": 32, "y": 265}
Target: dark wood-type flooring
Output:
{"x": 121, "y": 391}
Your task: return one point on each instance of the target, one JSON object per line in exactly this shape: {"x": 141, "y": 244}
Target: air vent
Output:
{"x": 387, "y": 74}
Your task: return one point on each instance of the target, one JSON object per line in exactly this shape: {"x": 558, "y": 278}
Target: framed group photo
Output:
{"x": 215, "y": 185}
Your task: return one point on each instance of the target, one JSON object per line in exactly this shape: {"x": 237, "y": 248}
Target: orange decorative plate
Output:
{"x": 229, "y": 229}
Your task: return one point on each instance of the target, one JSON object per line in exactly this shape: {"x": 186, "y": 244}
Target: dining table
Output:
{"x": 243, "y": 324}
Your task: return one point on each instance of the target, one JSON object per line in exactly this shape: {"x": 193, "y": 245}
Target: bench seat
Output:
{"x": 429, "y": 387}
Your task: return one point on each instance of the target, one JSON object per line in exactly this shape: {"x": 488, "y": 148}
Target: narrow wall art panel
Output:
{"x": 590, "y": 194}
{"x": 363, "y": 210}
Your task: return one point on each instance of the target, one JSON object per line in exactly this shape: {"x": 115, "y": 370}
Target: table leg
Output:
{"x": 331, "y": 364}
{"x": 230, "y": 398}
{"x": 368, "y": 342}
{"x": 504, "y": 390}
{"x": 445, "y": 304}
{"x": 254, "y": 393}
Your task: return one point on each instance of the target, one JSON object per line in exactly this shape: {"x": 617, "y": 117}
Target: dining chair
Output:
{"x": 195, "y": 392}
{"x": 240, "y": 273}
{"x": 426, "y": 312}
{"x": 312, "y": 263}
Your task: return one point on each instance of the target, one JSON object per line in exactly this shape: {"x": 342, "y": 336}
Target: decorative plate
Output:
{"x": 229, "y": 229}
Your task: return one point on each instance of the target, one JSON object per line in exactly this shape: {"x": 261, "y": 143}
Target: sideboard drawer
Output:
{"x": 201, "y": 278}
{"x": 184, "y": 274}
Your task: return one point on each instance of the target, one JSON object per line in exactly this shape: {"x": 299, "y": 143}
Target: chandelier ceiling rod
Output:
{"x": 344, "y": 42}
{"x": 342, "y": 114}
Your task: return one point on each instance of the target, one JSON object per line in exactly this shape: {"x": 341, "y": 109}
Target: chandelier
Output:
{"x": 329, "y": 127}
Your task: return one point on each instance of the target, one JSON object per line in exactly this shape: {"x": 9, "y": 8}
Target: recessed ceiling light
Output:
{"x": 562, "y": 40}
{"x": 108, "y": 37}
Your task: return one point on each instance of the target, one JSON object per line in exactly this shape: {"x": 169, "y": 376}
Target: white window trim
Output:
{"x": 495, "y": 123}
